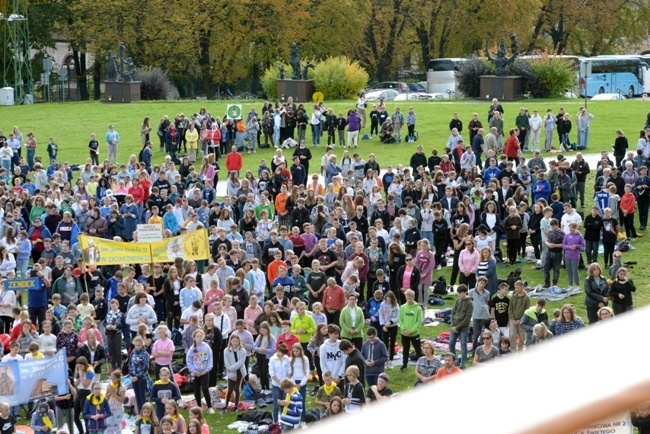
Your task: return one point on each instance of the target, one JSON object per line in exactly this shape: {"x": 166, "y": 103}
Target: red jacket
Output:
{"x": 138, "y": 194}
{"x": 234, "y": 162}
{"x": 627, "y": 203}
{"x": 289, "y": 342}
{"x": 511, "y": 148}
{"x": 334, "y": 298}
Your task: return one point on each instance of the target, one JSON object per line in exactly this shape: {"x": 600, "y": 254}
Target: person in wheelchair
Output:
{"x": 386, "y": 132}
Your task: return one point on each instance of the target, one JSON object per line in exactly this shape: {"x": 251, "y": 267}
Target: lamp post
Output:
{"x": 70, "y": 68}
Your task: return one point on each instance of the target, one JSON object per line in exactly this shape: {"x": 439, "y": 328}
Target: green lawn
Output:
{"x": 72, "y": 123}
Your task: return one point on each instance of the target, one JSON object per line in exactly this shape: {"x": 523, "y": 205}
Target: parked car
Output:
{"x": 608, "y": 97}
{"x": 412, "y": 96}
{"x": 388, "y": 95}
{"x": 417, "y": 87}
{"x": 399, "y": 86}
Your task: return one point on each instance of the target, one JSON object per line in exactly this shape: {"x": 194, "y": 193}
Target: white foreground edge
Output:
{"x": 557, "y": 387}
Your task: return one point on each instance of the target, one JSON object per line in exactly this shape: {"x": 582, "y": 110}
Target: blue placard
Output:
{"x": 23, "y": 284}
{"x": 31, "y": 380}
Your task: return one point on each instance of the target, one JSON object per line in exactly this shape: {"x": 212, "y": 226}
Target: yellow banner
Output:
{"x": 193, "y": 245}
{"x": 100, "y": 251}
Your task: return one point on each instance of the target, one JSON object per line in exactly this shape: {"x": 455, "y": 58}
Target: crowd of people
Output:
{"x": 307, "y": 280}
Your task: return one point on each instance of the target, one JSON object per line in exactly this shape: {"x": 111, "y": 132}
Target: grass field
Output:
{"x": 72, "y": 123}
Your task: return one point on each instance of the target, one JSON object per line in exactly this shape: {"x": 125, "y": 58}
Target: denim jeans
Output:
{"x": 140, "y": 390}
{"x": 453, "y": 337}
{"x": 30, "y": 158}
{"x": 276, "y": 393}
{"x": 315, "y": 134}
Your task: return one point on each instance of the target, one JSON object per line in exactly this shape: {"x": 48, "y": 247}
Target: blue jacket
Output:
{"x": 376, "y": 352}
{"x": 373, "y": 308}
{"x": 139, "y": 364}
{"x": 542, "y": 189}
{"x": 110, "y": 288}
{"x": 37, "y": 422}
{"x": 170, "y": 222}
{"x": 91, "y": 410}
{"x": 490, "y": 173}
{"x": 45, "y": 232}
{"x": 74, "y": 233}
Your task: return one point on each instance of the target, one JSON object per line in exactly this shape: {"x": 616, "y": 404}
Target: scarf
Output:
{"x": 96, "y": 401}
{"x": 329, "y": 389}
{"x": 116, "y": 386}
{"x": 47, "y": 422}
{"x": 175, "y": 417}
{"x": 145, "y": 420}
{"x": 288, "y": 399}
{"x": 161, "y": 383}
{"x": 38, "y": 355}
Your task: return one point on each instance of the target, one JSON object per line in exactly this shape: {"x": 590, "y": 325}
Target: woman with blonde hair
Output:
{"x": 299, "y": 372}
{"x": 234, "y": 361}
{"x": 596, "y": 292}
{"x": 487, "y": 266}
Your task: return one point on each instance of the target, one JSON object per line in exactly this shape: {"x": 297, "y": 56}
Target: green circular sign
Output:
{"x": 234, "y": 111}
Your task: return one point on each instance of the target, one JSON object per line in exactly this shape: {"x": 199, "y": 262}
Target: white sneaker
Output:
{"x": 303, "y": 425}
{"x": 439, "y": 267}
{"x": 211, "y": 410}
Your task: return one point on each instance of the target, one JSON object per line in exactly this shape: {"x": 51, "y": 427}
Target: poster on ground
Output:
{"x": 30, "y": 380}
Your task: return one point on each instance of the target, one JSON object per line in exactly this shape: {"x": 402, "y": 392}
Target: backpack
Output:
{"x": 434, "y": 300}
{"x": 623, "y": 246}
{"x": 176, "y": 337}
{"x": 440, "y": 286}
{"x": 249, "y": 393}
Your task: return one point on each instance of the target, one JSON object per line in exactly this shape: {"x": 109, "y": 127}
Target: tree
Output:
{"x": 384, "y": 37}
{"x": 590, "y": 27}
{"x": 334, "y": 25}
{"x": 440, "y": 27}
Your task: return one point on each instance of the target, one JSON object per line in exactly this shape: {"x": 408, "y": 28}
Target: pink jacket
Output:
{"x": 468, "y": 262}
{"x": 425, "y": 262}
{"x": 250, "y": 315}
{"x": 212, "y": 296}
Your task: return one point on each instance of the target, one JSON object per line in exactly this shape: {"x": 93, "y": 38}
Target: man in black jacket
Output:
{"x": 300, "y": 214}
{"x": 298, "y": 172}
{"x": 354, "y": 358}
{"x": 418, "y": 159}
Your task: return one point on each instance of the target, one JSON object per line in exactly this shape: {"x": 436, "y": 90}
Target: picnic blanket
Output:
{"x": 551, "y": 294}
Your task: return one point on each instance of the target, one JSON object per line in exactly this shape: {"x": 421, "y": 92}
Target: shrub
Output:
{"x": 270, "y": 78}
{"x": 339, "y": 78}
{"x": 469, "y": 83}
{"x": 553, "y": 76}
{"x": 524, "y": 69}
{"x": 154, "y": 83}
{"x": 336, "y": 78}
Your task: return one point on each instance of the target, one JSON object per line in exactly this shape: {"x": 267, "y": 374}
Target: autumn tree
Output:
{"x": 333, "y": 28}
{"x": 383, "y": 37}
{"x": 590, "y": 27}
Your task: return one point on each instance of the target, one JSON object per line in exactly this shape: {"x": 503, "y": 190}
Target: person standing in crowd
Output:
{"x": 519, "y": 303}
{"x": 112, "y": 141}
{"x": 461, "y": 315}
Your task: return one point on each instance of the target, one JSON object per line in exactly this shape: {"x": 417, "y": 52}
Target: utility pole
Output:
{"x": 17, "y": 71}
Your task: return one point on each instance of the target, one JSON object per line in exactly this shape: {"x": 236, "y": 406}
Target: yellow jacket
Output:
{"x": 192, "y": 137}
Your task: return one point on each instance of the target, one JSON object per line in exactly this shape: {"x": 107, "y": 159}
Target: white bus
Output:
{"x": 441, "y": 75}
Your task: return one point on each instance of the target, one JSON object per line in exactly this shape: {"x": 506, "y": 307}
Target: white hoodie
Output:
{"x": 332, "y": 358}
